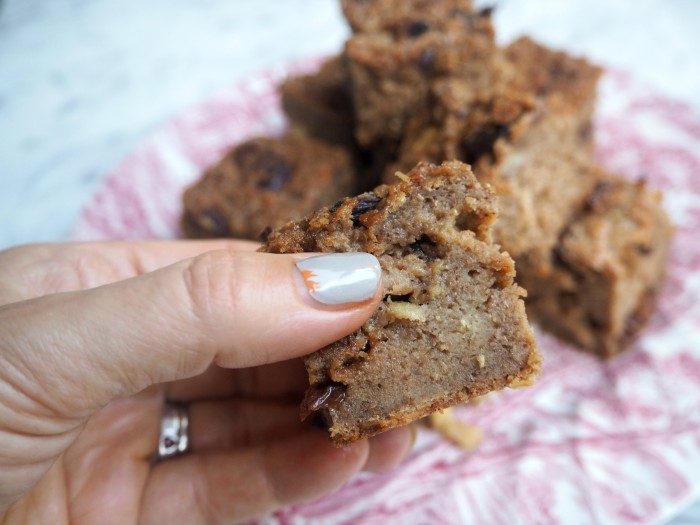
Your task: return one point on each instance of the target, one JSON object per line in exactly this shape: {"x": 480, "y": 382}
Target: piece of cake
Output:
{"x": 402, "y": 17}
{"x": 397, "y": 66}
{"x": 452, "y": 323}
{"x": 265, "y": 182}
{"x": 597, "y": 287}
{"x": 530, "y": 138}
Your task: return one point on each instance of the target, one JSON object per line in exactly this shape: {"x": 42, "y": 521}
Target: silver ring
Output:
{"x": 174, "y": 425}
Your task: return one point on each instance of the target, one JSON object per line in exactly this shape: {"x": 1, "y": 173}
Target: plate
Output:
{"x": 593, "y": 442}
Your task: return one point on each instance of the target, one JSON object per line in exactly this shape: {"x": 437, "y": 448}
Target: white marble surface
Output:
{"x": 82, "y": 82}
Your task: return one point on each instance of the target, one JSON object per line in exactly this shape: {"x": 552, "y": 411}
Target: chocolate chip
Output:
{"x": 417, "y": 28}
{"x": 368, "y": 202}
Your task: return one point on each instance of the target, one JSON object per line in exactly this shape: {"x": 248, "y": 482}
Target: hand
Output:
{"x": 94, "y": 338}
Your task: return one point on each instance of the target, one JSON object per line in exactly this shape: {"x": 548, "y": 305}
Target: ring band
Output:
{"x": 174, "y": 425}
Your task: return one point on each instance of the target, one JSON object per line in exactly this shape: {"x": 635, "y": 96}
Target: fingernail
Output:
{"x": 340, "y": 278}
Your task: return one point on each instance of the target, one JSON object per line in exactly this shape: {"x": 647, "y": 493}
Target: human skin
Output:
{"x": 94, "y": 337}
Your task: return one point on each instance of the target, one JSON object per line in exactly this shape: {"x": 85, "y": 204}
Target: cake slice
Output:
{"x": 265, "y": 182}
{"x": 395, "y": 72}
{"x": 597, "y": 287}
{"x": 452, "y": 323}
{"x": 529, "y": 138}
{"x": 403, "y": 17}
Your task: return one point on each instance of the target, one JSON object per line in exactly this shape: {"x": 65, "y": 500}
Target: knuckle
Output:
{"x": 211, "y": 284}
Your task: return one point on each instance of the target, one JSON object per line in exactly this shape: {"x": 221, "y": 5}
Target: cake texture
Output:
{"x": 321, "y": 103}
{"x": 597, "y": 287}
{"x": 452, "y": 323}
{"x": 399, "y": 59}
{"x": 529, "y": 138}
{"x": 402, "y": 17}
{"x": 264, "y": 182}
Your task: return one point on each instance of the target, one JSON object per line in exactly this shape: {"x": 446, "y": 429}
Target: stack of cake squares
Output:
{"x": 425, "y": 80}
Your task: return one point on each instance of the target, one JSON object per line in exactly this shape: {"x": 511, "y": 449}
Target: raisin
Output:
{"x": 270, "y": 170}
{"x": 326, "y": 395}
{"x": 337, "y": 205}
{"x": 322, "y": 419}
{"x": 487, "y": 11}
{"x": 275, "y": 172}
{"x": 368, "y": 202}
{"x": 417, "y": 28}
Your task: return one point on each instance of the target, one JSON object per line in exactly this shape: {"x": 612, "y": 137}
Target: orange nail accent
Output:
{"x": 308, "y": 275}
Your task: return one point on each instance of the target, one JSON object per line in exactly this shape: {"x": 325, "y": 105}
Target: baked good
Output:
{"x": 403, "y": 17}
{"x": 402, "y": 58}
{"x": 452, "y": 323}
{"x": 265, "y": 182}
{"x": 597, "y": 287}
{"x": 321, "y": 103}
{"x": 529, "y": 137}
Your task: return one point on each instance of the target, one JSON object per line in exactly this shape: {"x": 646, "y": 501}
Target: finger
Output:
{"x": 232, "y": 487}
{"x": 39, "y": 269}
{"x": 223, "y": 425}
{"x": 77, "y": 351}
{"x": 388, "y": 449}
{"x": 285, "y": 379}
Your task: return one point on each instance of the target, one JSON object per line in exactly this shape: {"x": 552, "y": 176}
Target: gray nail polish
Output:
{"x": 339, "y": 278}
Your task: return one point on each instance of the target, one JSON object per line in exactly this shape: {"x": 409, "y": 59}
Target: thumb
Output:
{"x": 79, "y": 350}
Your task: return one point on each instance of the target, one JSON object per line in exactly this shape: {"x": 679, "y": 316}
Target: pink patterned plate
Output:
{"x": 593, "y": 442}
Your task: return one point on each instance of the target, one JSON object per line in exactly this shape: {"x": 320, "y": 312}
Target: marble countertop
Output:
{"x": 82, "y": 82}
